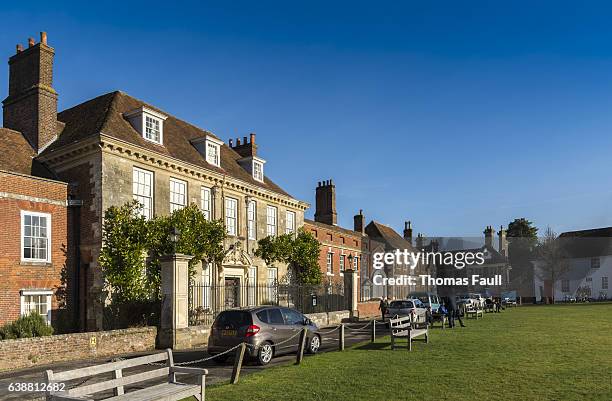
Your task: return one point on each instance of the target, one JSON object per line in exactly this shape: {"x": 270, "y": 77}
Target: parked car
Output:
{"x": 478, "y": 298}
{"x": 465, "y": 299}
{"x": 262, "y": 327}
{"x": 427, "y": 298}
{"x": 405, "y": 307}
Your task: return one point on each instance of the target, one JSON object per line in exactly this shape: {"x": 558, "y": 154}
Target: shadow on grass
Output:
{"x": 374, "y": 346}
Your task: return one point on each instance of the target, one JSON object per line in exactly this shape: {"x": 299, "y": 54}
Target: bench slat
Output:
{"x": 114, "y": 383}
{"x": 107, "y": 367}
{"x": 165, "y": 391}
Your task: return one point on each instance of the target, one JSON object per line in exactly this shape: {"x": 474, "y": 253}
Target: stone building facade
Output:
{"x": 115, "y": 148}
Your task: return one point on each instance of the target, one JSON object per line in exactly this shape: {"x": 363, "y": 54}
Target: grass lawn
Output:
{"x": 560, "y": 352}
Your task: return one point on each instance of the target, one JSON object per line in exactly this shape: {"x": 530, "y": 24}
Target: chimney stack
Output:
{"x": 503, "y": 242}
{"x": 31, "y": 105}
{"x": 408, "y": 231}
{"x": 325, "y": 209}
{"x": 43, "y": 38}
{"x": 488, "y": 233}
{"x": 245, "y": 148}
{"x": 359, "y": 222}
{"x": 419, "y": 241}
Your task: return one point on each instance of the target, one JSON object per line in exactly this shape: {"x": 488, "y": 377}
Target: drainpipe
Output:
{"x": 74, "y": 206}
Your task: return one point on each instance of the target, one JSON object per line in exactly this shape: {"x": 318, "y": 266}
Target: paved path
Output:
{"x": 217, "y": 372}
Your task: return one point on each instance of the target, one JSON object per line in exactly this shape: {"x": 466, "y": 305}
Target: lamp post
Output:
{"x": 174, "y": 237}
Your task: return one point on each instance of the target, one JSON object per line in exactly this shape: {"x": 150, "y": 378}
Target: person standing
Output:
{"x": 383, "y": 307}
{"x": 453, "y": 312}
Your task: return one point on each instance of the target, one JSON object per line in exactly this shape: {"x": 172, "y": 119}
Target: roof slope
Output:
{"x": 333, "y": 228}
{"x": 388, "y": 235}
{"x": 587, "y": 243}
{"x": 105, "y": 114}
{"x": 17, "y": 155}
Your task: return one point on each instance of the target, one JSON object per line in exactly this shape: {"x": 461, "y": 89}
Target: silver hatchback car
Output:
{"x": 270, "y": 330}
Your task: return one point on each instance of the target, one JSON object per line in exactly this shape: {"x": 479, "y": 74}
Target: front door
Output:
{"x": 232, "y": 292}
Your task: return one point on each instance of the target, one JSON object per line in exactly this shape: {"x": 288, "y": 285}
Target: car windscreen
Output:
{"x": 401, "y": 305}
{"x": 423, "y": 298}
{"x": 234, "y": 319}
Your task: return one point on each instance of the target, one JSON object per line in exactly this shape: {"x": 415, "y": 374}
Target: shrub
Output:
{"x": 32, "y": 325}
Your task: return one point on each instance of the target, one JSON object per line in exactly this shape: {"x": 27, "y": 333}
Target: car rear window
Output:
{"x": 235, "y": 318}
{"x": 401, "y": 304}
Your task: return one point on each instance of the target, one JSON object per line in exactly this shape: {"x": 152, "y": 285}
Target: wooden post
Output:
{"x": 238, "y": 364}
{"x": 300, "y": 354}
{"x": 341, "y": 338}
{"x": 373, "y": 338}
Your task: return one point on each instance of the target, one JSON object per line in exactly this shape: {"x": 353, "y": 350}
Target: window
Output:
{"x": 152, "y": 130}
{"x": 604, "y": 283}
{"x": 330, "y": 263}
{"x": 272, "y": 281}
{"x": 290, "y": 228}
{"x": 212, "y": 153}
{"x": 178, "y": 194}
{"x": 35, "y": 237}
{"x": 142, "y": 190}
{"x": 565, "y": 285}
{"x": 594, "y": 263}
{"x": 342, "y": 263}
{"x": 252, "y": 286}
{"x": 251, "y": 220}
{"x": 292, "y": 317}
{"x": 206, "y": 203}
{"x": 206, "y": 284}
{"x": 258, "y": 171}
{"x": 356, "y": 263}
{"x": 271, "y": 220}
{"x": 231, "y": 214}
{"x": 37, "y": 301}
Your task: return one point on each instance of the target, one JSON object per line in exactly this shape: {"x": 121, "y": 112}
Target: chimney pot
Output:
{"x": 237, "y": 141}
{"x": 252, "y": 137}
{"x": 231, "y": 142}
{"x": 244, "y": 140}
{"x": 19, "y": 48}
{"x": 43, "y": 38}
{"x": 30, "y": 42}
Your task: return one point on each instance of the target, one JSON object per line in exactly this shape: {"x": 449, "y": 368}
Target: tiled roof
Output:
{"x": 17, "y": 155}
{"x": 105, "y": 114}
{"x": 587, "y": 243}
{"x": 332, "y": 228}
{"x": 388, "y": 235}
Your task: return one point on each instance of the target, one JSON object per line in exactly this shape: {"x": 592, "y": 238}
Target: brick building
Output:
{"x": 34, "y": 241}
{"x": 115, "y": 148}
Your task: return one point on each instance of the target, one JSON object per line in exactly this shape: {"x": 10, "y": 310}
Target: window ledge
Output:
{"x": 329, "y": 274}
{"x": 33, "y": 263}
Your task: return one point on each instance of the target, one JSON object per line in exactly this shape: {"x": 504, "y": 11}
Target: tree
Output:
{"x": 300, "y": 252}
{"x": 553, "y": 259}
{"x": 522, "y": 239}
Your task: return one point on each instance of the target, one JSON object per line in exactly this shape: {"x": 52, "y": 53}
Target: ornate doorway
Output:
{"x": 232, "y": 292}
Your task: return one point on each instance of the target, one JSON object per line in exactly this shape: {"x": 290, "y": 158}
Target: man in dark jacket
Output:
{"x": 383, "y": 307}
{"x": 453, "y": 312}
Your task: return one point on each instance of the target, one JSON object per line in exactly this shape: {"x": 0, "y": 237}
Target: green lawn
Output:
{"x": 528, "y": 353}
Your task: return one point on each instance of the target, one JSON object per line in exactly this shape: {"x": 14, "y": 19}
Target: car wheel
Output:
{"x": 265, "y": 353}
{"x": 314, "y": 344}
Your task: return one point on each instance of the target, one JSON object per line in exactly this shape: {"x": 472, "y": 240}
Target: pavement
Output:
{"x": 217, "y": 372}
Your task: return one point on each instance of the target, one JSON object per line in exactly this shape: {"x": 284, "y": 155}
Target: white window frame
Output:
{"x": 252, "y": 220}
{"x": 138, "y": 118}
{"x": 47, "y": 293}
{"x": 258, "y": 175}
{"x": 289, "y": 229}
{"x": 342, "y": 264}
{"x": 231, "y": 220}
{"x": 206, "y": 285}
{"x": 47, "y": 216}
{"x": 272, "y": 281}
{"x": 154, "y": 121}
{"x": 355, "y": 263}
{"x": 330, "y": 263}
{"x": 209, "y": 158}
{"x": 206, "y": 202}
{"x": 271, "y": 220}
{"x": 175, "y": 205}
{"x": 252, "y": 286}
{"x": 137, "y": 172}
{"x": 605, "y": 283}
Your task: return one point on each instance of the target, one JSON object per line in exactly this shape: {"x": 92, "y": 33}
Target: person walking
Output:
{"x": 382, "y": 306}
{"x": 453, "y": 312}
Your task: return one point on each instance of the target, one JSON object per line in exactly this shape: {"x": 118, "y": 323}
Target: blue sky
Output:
{"x": 455, "y": 116}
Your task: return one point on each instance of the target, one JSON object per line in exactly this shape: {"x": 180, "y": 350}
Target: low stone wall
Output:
{"x": 27, "y": 352}
{"x": 193, "y": 337}
{"x": 329, "y": 318}
{"x": 368, "y": 309}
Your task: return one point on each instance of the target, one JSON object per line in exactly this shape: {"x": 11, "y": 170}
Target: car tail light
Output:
{"x": 252, "y": 330}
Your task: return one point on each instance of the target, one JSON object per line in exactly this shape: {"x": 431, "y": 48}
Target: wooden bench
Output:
{"x": 439, "y": 317}
{"x": 473, "y": 311}
{"x": 171, "y": 390}
{"x": 404, "y": 328}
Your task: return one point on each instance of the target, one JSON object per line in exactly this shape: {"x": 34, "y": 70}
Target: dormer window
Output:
{"x": 212, "y": 153}
{"x": 258, "y": 170}
{"x": 149, "y": 123}
{"x": 210, "y": 148}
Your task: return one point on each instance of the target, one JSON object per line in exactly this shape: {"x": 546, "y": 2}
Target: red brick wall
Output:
{"x": 15, "y": 275}
{"x": 368, "y": 309}
{"x": 340, "y": 240}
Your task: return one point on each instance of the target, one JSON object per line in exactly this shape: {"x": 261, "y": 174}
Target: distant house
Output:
{"x": 589, "y": 254}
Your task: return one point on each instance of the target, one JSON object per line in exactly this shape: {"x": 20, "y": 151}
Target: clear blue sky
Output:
{"x": 455, "y": 116}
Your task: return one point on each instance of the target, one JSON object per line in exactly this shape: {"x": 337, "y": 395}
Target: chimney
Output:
{"x": 408, "y": 231}
{"x": 503, "y": 242}
{"x": 419, "y": 241}
{"x": 359, "y": 222}
{"x": 31, "y": 105}
{"x": 325, "y": 211}
{"x": 245, "y": 148}
{"x": 488, "y": 233}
